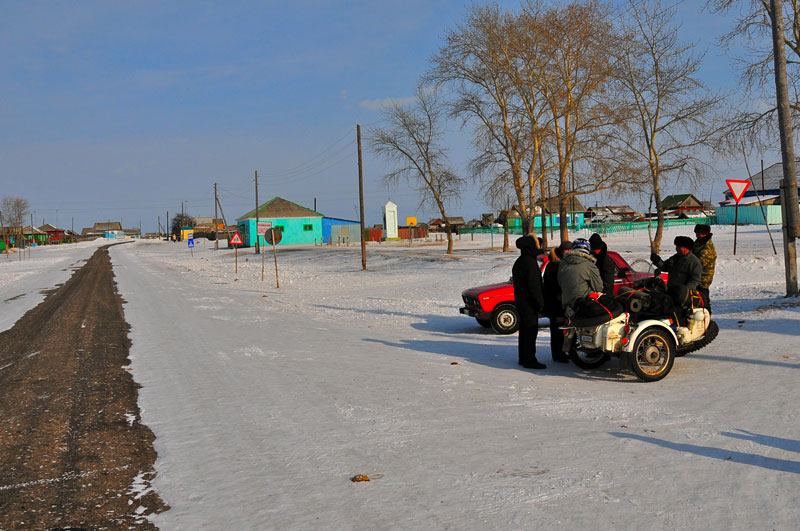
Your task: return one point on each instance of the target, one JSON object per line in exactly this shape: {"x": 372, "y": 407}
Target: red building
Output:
{"x": 54, "y": 234}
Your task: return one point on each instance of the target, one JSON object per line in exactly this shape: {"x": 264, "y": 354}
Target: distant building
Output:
{"x": 54, "y": 234}
{"x": 682, "y": 205}
{"x": 297, "y": 224}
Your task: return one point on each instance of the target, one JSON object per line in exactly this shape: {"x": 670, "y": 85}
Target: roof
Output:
{"x": 772, "y": 180}
{"x": 679, "y": 200}
{"x": 551, "y": 205}
{"x": 49, "y": 228}
{"x": 31, "y": 230}
{"x": 105, "y": 226}
{"x": 279, "y": 207}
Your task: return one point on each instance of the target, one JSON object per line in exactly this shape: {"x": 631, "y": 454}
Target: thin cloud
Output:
{"x": 380, "y": 104}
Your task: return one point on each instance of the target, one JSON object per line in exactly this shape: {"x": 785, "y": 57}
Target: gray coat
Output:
{"x": 578, "y": 276}
{"x": 683, "y": 270}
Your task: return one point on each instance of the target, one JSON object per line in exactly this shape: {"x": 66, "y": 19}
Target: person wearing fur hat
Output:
{"x": 604, "y": 263}
{"x": 704, "y": 250}
{"x": 578, "y": 275}
{"x": 684, "y": 269}
{"x": 529, "y": 299}
{"x": 553, "y": 308}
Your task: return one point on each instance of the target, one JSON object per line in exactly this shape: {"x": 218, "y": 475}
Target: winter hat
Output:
{"x": 702, "y": 228}
{"x": 684, "y": 241}
{"x": 565, "y": 246}
{"x": 526, "y": 242}
{"x": 582, "y": 246}
{"x": 595, "y": 242}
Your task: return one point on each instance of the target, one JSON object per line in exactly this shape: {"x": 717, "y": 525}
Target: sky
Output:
{"x": 125, "y": 111}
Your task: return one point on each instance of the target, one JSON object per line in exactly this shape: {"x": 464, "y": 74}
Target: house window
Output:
{"x": 280, "y": 227}
{"x": 308, "y": 227}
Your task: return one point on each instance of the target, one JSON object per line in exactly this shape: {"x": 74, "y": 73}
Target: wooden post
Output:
{"x": 361, "y": 200}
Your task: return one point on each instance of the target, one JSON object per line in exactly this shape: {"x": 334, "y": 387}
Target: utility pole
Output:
{"x": 216, "y": 229}
{"x": 789, "y": 200}
{"x": 258, "y": 250}
{"x": 361, "y": 200}
{"x": 167, "y": 227}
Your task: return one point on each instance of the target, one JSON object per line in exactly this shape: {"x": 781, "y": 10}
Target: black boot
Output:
{"x": 534, "y": 365}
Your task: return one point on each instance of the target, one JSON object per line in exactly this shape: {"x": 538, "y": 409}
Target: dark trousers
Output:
{"x": 528, "y": 332}
{"x": 557, "y": 339}
{"x": 706, "y": 299}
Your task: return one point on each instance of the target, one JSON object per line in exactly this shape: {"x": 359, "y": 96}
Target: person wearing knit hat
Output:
{"x": 684, "y": 270}
{"x": 553, "y": 309}
{"x": 604, "y": 263}
{"x": 704, "y": 250}
{"x": 578, "y": 275}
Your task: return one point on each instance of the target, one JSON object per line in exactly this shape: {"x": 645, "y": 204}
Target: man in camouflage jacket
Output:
{"x": 704, "y": 250}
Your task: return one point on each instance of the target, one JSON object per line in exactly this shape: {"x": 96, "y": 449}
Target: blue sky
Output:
{"x": 123, "y": 110}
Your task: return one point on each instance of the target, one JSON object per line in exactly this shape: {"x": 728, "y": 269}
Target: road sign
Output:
{"x": 737, "y": 188}
{"x": 236, "y": 239}
{"x": 190, "y": 241}
{"x": 273, "y": 236}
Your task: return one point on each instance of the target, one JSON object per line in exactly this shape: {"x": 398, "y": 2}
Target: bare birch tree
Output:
{"x": 412, "y": 140}
{"x": 14, "y": 211}
{"x": 574, "y": 75}
{"x": 478, "y": 62}
{"x": 674, "y": 117}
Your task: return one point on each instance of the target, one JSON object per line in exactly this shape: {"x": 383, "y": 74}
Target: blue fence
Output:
{"x": 601, "y": 228}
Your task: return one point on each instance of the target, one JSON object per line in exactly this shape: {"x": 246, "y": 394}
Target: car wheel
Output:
{"x": 486, "y": 323}
{"x": 653, "y": 355}
{"x": 504, "y": 319}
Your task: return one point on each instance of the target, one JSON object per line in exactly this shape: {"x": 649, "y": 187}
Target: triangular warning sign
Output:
{"x": 236, "y": 239}
{"x": 738, "y": 188}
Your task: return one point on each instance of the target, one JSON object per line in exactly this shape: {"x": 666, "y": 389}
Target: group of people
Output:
{"x": 580, "y": 269}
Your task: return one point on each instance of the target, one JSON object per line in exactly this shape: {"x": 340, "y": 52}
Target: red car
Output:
{"x": 493, "y": 305}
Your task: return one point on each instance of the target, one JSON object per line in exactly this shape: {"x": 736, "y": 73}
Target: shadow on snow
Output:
{"x": 770, "y": 463}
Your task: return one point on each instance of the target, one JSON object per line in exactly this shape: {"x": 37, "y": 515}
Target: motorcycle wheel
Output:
{"x": 653, "y": 355}
{"x": 590, "y": 359}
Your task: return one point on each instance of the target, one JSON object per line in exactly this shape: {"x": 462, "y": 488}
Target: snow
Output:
{"x": 266, "y": 401}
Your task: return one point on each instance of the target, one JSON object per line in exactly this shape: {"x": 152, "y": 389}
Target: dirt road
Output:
{"x": 73, "y": 453}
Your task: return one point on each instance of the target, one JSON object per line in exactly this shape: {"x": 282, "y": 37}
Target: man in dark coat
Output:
{"x": 553, "y": 308}
{"x": 684, "y": 270}
{"x": 529, "y": 299}
{"x": 604, "y": 263}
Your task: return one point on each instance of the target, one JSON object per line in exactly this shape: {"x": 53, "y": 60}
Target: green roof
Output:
{"x": 279, "y": 207}
{"x": 677, "y": 200}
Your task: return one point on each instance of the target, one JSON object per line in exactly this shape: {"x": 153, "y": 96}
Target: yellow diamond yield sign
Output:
{"x": 738, "y": 188}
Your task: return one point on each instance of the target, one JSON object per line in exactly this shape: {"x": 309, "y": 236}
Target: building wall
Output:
{"x": 294, "y": 230}
{"x": 749, "y": 215}
{"x": 334, "y": 230}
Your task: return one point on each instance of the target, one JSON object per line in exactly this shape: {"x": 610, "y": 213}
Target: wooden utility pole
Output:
{"x": 789, "y": 200}
{"x": 216, "y": 230}
{"x": 361, "y": 200}
{"x": 256, "y": 229}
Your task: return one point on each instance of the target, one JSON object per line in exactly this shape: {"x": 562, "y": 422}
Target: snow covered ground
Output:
{"x": 266, "y": 401}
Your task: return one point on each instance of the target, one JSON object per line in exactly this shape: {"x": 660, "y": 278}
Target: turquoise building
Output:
{"x": 298, "y": 225}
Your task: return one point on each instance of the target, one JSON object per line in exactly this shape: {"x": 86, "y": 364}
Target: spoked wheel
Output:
{"x": 653, "y": 355}
{"x": 589, "y": 359}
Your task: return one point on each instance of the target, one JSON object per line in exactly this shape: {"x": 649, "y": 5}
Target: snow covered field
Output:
{"x": 266, "y": 401}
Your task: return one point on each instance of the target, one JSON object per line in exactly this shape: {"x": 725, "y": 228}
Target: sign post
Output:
{"x": 273, "y": 237}
{"x": 737, "y": 188}
{"x": 236, "y": 240}
{"x": 190, "y": 242}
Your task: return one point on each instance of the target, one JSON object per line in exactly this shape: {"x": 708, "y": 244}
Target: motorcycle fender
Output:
{"x": 644, "y": 325}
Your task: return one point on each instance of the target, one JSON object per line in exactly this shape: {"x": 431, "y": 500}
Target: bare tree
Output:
{"x": 574, "y": 75}
{"x": 14, "y": 211}
{"x": 412, "y": 140}
{"x": 674, "y": 117}
{"x": 480, "y": 62}
{"x": 756, "y": 123}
